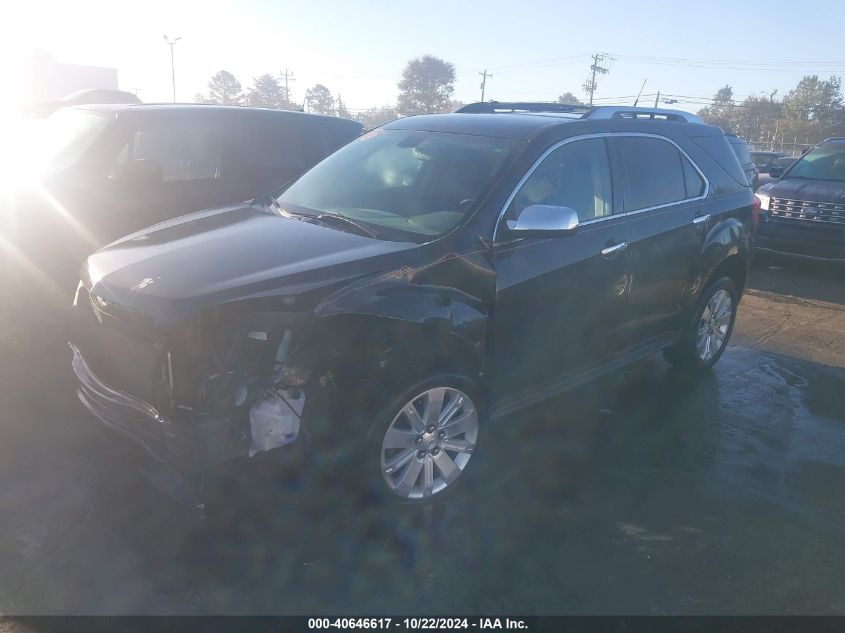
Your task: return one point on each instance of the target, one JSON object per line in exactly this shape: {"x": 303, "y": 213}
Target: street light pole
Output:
{"x": 172, "y": 43}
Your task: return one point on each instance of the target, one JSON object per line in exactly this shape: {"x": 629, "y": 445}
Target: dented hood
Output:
{"x": 177, "y": 268}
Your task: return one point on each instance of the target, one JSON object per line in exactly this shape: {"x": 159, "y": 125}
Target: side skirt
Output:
{"x": 561, "y": 384}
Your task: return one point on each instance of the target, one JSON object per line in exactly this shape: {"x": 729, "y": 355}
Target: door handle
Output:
{"x": 701, "y": 218}
{"x": 609, "y": 251}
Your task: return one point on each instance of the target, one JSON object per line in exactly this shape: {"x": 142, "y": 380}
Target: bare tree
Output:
{"x": 427, "y": 86}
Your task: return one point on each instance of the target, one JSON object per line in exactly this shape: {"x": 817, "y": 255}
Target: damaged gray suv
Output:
{"x": 433, "y": 275}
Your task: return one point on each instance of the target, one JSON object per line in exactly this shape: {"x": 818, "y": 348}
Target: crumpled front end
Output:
{"x": 194, "y": 395}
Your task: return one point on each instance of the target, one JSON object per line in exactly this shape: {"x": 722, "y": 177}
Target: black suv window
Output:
{"x": 693, "y": 180}
{"x": 740, "y": 148}
{"x": 575, "y": 175}
{"x": 278, "y": 143}
{"x": 658, "y": 173}
{"x": 183, "y": 150}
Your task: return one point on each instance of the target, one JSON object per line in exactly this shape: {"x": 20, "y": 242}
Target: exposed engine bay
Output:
{"x": 240, "y": 369}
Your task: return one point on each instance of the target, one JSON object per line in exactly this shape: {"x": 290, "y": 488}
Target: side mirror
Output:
{"x": 775, "y": 172}
{"x": 542, "y": 220}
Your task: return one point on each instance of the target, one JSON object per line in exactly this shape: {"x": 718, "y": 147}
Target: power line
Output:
{"x": 833, "y": 66}
{"x": 545, "y": 63}
{"x": 731, "y": 61}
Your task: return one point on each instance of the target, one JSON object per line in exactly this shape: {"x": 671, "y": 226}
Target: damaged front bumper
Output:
{"x": 187, "y": 440}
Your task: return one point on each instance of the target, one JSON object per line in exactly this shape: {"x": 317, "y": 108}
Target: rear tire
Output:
{"x": 706, "y": 336}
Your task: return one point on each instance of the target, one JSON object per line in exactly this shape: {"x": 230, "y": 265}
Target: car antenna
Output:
{"x": 637, "y": 100}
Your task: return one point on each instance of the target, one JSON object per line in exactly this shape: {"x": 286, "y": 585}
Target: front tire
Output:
{"x": 706, "y": 336}
{"x": 423, "y": 439}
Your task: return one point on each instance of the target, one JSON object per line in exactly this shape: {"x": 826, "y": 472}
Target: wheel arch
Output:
{"x": 734, "y": 267}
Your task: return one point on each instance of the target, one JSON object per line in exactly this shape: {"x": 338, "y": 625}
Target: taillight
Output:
{"x": 755, "y": 211}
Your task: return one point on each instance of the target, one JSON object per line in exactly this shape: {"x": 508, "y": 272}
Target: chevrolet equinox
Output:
{"x": 434, "y": 275}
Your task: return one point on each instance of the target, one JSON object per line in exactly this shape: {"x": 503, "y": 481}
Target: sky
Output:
{"x": 535, "y": 50}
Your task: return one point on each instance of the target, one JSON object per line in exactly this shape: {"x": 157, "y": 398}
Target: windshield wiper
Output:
{"x": 324, "y": 217}
{"x": 344, "y": 220}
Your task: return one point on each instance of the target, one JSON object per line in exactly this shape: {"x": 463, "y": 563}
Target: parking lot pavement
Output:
{"x": 795, "y": 309}
{"x": 647, "y": 492}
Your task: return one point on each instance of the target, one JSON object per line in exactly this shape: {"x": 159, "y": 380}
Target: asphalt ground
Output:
{"x": 647, "y": 492}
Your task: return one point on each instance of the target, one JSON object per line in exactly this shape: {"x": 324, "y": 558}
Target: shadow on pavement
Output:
{"x": 803, "y": 279}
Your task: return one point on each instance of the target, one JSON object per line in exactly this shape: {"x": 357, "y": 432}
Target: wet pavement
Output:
{"x": 648, "y": 492}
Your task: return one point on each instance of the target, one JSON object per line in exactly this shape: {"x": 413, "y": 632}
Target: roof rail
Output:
{"x": 491, "y": 107}
{"x": 835, "y": 139}
{"x": 582, "y": 110}
{"x": 657, "y": 114}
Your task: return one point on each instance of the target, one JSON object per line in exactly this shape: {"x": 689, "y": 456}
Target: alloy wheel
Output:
{"x": 714, "y": 324}
{"x": 429, "y": 443}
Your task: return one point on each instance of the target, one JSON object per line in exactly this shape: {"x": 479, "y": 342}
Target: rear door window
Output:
{"x": 183, "y": 149}
{"x": 692, "y": 179}
{"x": 278, "y": 143}
{"x": 271, "y": 151}
{"x": 656, "y": 174}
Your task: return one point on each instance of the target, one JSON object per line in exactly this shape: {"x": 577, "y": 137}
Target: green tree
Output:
{"x": 427, "y": 86}
{"x": 755, "y": 119}
{"x": 373, "y": 117}
{"x": 568, "y": 97}
{"x": 319, "y": 100}
{"x": 722, "y": 110}
{"x": 267, "y": 92}
{"x": 342, "y": 112}
{"x": 223, "y": 88}
{"x": 813, "y": 109}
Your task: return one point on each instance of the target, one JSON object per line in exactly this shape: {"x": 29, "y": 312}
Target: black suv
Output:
{"x": 100, "y": 172}
{"x": 437, "y": 273}
{"x": 803, "y": 213}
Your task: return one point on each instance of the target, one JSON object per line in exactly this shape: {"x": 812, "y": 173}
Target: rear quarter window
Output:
{"x": 716, "y": 146}
{"x": 741, "y": 151}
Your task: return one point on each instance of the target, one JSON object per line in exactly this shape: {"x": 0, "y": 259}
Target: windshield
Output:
{"x": 417, "y": 183}
{"x": 826, "y": 162}
{"x": 63, "y": 139}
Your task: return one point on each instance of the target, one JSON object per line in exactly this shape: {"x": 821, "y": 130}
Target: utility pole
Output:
{"x": 657, "y": 99}
{"x": 172, "y": 43}
{"x": 288, "y": 75}
{"x": 484, "y": 76}
{"x": 590, "y": 84}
